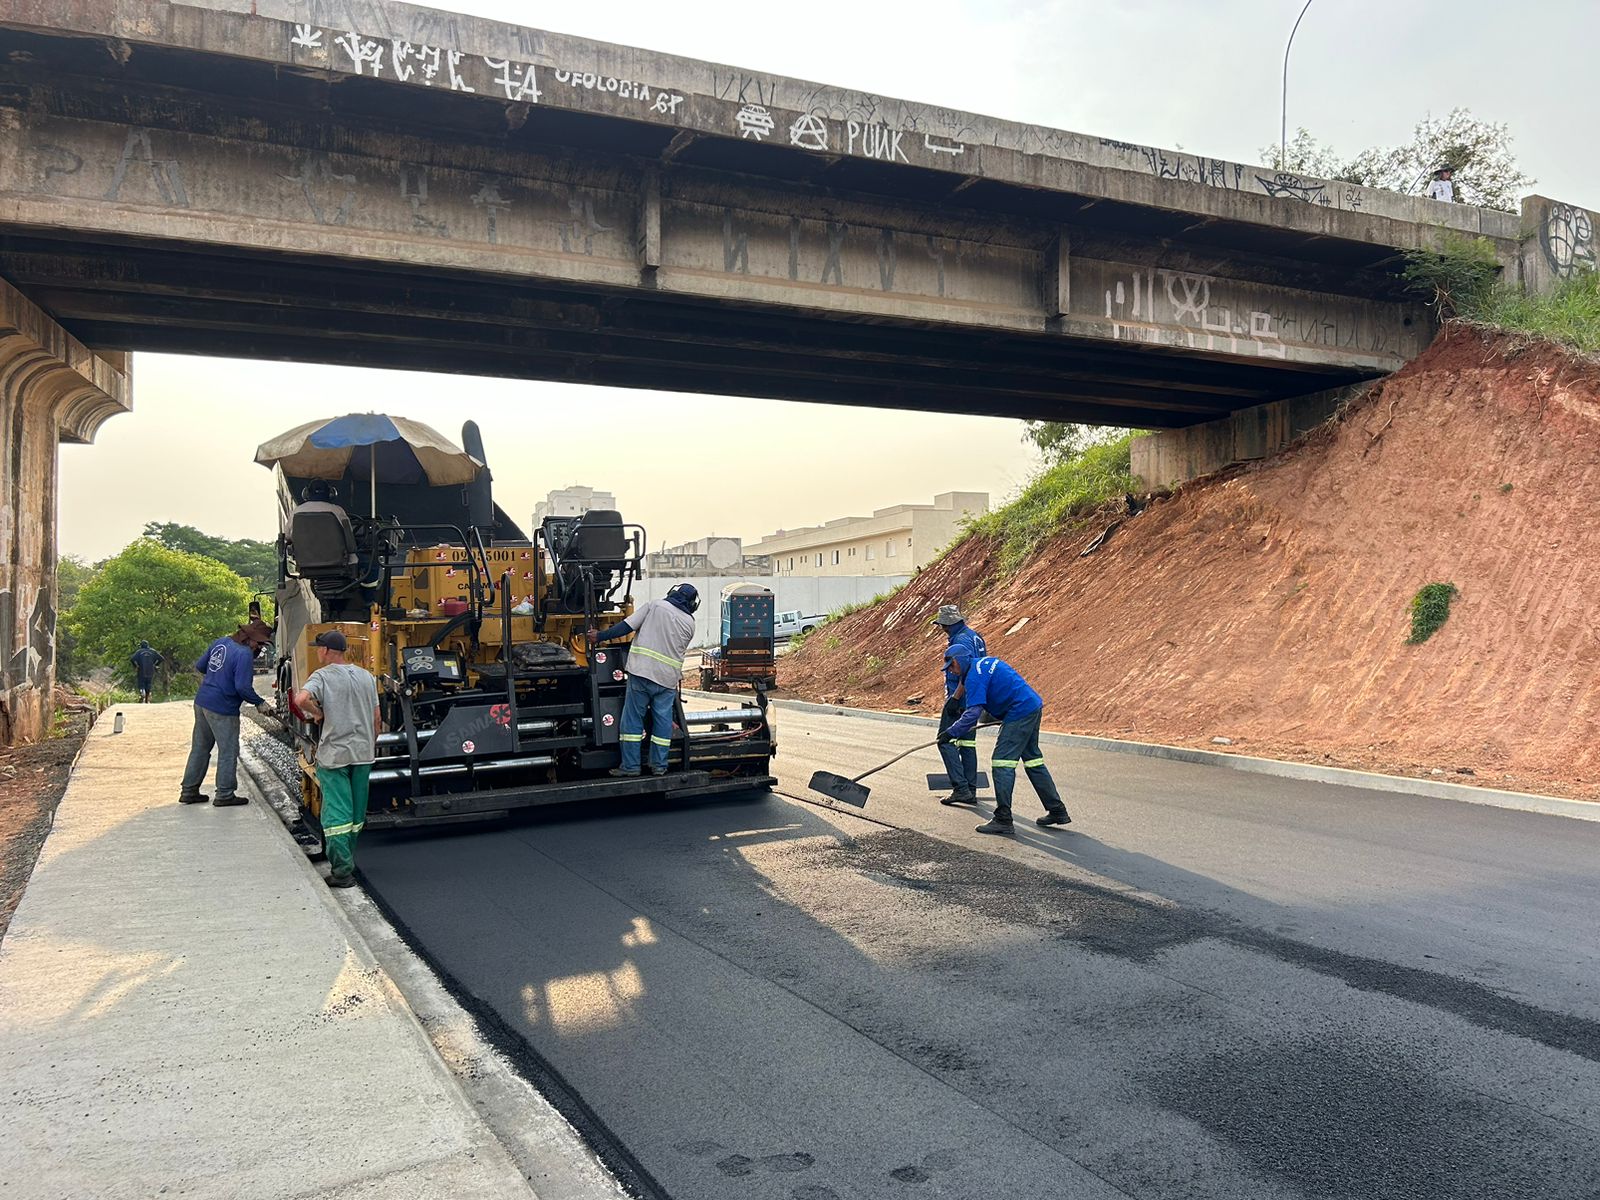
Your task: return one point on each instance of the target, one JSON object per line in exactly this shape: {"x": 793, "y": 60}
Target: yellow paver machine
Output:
{"x": 491, "y": 697}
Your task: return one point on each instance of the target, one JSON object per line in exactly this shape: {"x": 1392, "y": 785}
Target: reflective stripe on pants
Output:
{"x": 344, "y": 812}
{"x": 1018, "y": 746}
{"x": 646, "y": 696}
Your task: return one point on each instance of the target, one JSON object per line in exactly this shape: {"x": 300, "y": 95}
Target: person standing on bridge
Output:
{"x": 662, "y": 631}
{"x": 994, "y": 685}
{"x": 145, "y": 661}
{"x": 228, "y": 667}
{"x": 960, "y": 757}
{"x": 344, "y": 698}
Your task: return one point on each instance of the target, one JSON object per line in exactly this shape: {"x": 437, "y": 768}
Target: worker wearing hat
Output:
{"x": 961, "y": 756}
{"x": 228, "y": 674}
{"x": 343, "y": 698}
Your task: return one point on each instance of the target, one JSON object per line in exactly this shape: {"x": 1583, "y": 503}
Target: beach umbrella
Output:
{"x": 371, "y": 446}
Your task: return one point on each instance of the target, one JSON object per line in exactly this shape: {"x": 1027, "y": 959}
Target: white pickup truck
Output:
{"x": 787, "y": 624}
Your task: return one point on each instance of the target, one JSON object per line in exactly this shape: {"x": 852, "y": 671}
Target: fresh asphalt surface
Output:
{"x": 1212, "y": 984}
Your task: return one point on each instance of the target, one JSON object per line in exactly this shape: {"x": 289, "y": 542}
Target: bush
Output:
{"x": 1060, "y": 496}
{"x": 1430, "y": 608}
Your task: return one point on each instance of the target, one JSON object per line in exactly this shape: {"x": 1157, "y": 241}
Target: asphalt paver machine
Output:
{"x": 491, "y": 697}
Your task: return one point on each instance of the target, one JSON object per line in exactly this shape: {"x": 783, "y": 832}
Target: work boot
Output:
{"x": 230, "y": 801}
{"x": 342, "y": 881}
{"x": 1054, "y": 817}
{"x": 197, "y": 798}
{"x": 658, "y": 770}
{"x": 621, "y": 774}
{"x": 960, "y": 796}
{"x": 997, "y": 826}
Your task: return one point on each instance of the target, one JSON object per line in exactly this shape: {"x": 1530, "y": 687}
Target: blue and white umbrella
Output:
{"x": 371, "y": 446}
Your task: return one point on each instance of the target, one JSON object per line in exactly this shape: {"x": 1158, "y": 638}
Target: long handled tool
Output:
{"x": 850, "y": 791}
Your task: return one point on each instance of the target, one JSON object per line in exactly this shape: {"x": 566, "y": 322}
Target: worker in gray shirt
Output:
{"x": 344, "y": 699}
{"x": 662, "y": 631}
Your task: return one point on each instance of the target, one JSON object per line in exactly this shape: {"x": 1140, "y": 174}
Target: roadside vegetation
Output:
{"x": 1060, "y": 497}
{"x": 1461, "y": 278}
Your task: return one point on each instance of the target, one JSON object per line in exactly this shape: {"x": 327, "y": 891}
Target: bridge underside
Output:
{"x": 158, "y": 298}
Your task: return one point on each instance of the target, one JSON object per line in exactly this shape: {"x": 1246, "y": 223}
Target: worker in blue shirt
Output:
{"x": 960, "y": 757}
{"x": 993, "y": 685}
{"x": 228, "y": 670}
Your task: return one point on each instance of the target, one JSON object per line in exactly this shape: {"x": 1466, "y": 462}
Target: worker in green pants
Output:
{"x": 344, "y": 698}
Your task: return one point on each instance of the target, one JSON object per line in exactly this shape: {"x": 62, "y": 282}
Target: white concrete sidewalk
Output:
{"x": 183, "y": 1011}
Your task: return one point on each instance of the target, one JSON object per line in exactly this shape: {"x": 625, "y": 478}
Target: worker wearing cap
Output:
{"x": 994, "y": 685}
{"x": 344, "y": 699}
{"x": 662, "y": 631}
{"x": 960, "y": 757}
{"x": 228, "y": 670}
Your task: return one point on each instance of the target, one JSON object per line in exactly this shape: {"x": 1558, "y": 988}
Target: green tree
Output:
{"x": 177, "y": 602}
{"x": 71, "y": 574}
{"x": 256, "y": 561}
{"x": 1057, "y": 441}
{"x": 1479, "y": 152}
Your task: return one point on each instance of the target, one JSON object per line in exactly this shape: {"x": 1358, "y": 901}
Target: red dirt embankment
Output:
{"x": 1270, "y": 603}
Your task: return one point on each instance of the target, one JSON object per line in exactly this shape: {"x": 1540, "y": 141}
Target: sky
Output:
{"x": 1203, "y": 77}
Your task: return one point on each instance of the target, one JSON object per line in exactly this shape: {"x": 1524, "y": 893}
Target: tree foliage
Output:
{"x": 1058, "y": 441}
{"x": 178, "y": 602}
{"x": 71, "y": 574}
{"x": 1478, "y": 152}
{"x": 256, "y": 561}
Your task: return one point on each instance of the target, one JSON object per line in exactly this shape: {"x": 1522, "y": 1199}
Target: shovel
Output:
{"x": 850, "y": 791}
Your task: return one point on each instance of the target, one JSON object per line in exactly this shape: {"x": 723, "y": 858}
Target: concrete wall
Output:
{"x": 1562, "y": 240}
{"x": 52, "y": 389}
{"x": 811, "y": 595}
{"x": 1176, "y": 456}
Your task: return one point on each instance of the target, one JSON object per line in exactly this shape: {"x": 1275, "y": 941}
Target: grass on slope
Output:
{"x": 1059, "y": 496}
{"x": 1569, "y": 315}
{"x": 1463, "y": 276}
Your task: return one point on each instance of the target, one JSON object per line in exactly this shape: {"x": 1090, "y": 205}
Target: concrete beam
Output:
{"x": 52, "y": 389}
{"x": 623, "y": 227}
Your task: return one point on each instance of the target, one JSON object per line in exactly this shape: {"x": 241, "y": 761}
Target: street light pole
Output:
{"x": 1283, "y": 144}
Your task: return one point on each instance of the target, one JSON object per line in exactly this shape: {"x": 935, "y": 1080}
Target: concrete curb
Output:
{"x": 1555, "y": 806}
{"x": 539, "y": 1143}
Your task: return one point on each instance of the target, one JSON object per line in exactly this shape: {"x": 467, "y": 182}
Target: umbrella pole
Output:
{"x": 372, "y": 474}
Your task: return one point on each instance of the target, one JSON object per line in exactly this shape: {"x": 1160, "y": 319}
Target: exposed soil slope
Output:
{"x": 1270, "y": 603}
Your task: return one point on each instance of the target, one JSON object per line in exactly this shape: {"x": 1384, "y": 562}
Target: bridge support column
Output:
{"x": 1175, "y": 456}
{"x": 52, "y": 389}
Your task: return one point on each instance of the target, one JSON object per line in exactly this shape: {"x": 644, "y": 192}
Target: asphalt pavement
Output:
{"x": 1210, "y": 985}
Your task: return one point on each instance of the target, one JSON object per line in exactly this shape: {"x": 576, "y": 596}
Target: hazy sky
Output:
{"x": 1201, "y": 75}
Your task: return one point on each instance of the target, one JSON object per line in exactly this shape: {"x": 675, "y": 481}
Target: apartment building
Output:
{"x": 892, "y": 541}
{"x": 572, "y": 501}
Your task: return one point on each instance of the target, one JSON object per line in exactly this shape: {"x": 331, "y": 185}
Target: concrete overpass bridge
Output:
{"x": 362, "y": 182}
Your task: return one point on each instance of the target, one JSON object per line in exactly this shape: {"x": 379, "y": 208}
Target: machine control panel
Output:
{"x": 424, "y": 664}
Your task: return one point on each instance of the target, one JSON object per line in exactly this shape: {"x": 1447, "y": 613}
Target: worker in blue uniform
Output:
{"x": 960, "y": 757}
{"x": 992, "y": 685}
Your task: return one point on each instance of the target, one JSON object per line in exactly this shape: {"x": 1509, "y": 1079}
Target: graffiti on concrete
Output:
{"x": 164, "y": 172}
{"x": 1568, "y": 240}
{"x": 1227, "y": 316}
{"x": 27, "y": 651}
{"x": 1178, "y": 307}
{"x": 420, "y": 64}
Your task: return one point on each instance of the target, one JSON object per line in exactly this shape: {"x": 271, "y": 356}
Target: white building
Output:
{"x": 892, "y": 541}
{"x": 573, "y": 501}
